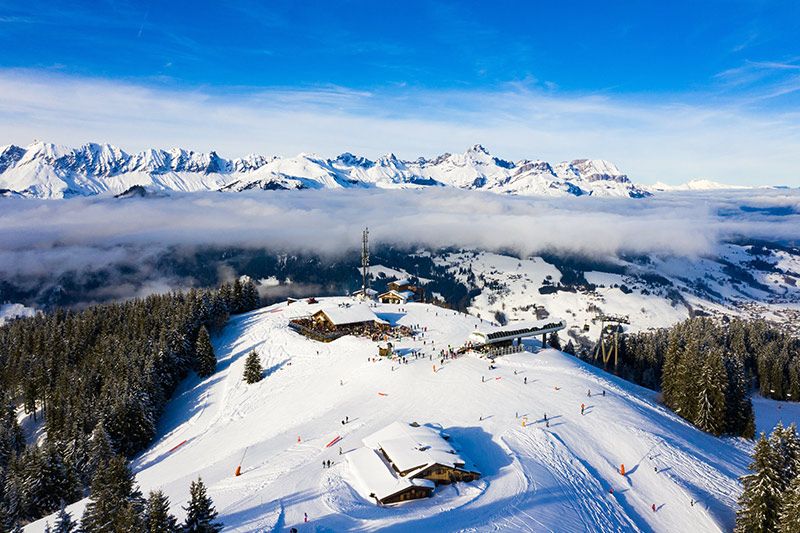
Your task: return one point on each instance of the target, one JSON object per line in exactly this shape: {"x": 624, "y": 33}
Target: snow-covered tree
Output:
{"x": 204, "y": 353}
{"x": 64, "y": 522}
{"x": 101, "y": 450}
{"x": 252, "y": 368}
{"x": 758, "y": 512}
{"x": 789, "y": 517}
{"x": 200, "y": 513}
{"x": 250, "y": 297}
{"x": 711, "y": 399}
{"x": 157, "y": 518}
{"x": 116, "y": 504}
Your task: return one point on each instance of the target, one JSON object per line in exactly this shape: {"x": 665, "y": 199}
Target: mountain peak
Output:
{"x": 477, "y": 149}
{"x": 45, "y": 170}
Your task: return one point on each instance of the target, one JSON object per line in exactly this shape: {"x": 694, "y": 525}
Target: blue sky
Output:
{"x": 668, "y": 90}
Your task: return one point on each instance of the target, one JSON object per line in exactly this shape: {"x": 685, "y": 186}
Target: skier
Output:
{"x": 589, "y": 393}
{"x": 340, "y": 450}
{"x": 654, "y": 507}
{"x": 547, "y": 423}
{"x": 604, "y": 392}
{"x": 582, "y": 408}
{"x": 483, "y": 379}
{"x": 305, "y": 517}
{"x": 526, "y": 380}
{"x": 347, "y": 420}
{"x": 323, "y": 464}
{"x": 545, "y": 417}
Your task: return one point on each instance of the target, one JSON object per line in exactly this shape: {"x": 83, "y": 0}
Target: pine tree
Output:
{"x": 157, "y": 517}
{"x": 784, "y": 442}
{"x": 789, "y": 517}
{"x": 116, "y": 503}
{"x": 204, "y": 354}
{"x": 669, "y": 373}
{"x": 711, "y": 399}
{"x": 250, "y": 298}
{"x": 570, "y": 347}
{"x": 554, "y": 341}
{"x": 56, "y": 482}
{"x": 761, "y": 495}
{"x": 101, "y": 450}
{"x": 237, "y": 296}
{"x": 200, "y": 513}
{"x": 252, "y": 368}
{"x": 792, "y": 463}
{"x": 64, "y": 522}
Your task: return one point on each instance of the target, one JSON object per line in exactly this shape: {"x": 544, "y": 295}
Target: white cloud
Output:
{"x": 651, "y": 140}
{"x": 47, "y": 238}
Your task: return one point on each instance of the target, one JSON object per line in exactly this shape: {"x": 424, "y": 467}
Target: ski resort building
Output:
{"x": 400, "y": 292}
{"x": 396, "y": 297}
{"x": 416, "y": 457}
{"x": 375, "y": 474}
{"x": 514, "y": 332}
{"x": 346, "y": 315}
{"x": 330, "y": 323}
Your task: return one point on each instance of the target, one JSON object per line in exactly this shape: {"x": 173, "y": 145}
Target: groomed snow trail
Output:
{"x": 564, "y": 477}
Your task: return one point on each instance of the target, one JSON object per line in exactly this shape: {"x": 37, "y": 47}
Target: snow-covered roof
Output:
{"x": 355, "y": 313}
{"x": 378, "y": 477}
{"x": 404, "y": 295}
{"x": 402, "y": 281}
{"x": 518, "y": 329}
{"x": 414, "y": 447}
{"x": 370, "y": 292}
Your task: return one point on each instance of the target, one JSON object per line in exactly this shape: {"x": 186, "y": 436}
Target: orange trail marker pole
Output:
{"x": 622, "y": 469}
{"x": 238, "y": 471}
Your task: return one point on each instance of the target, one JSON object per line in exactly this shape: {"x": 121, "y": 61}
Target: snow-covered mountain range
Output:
{"x": 44, "y": 170}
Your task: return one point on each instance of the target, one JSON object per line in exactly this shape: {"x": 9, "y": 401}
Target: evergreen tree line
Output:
{"x": 117, "y": 506}
{"x": 96, "y": 381}
{"x": 706, "y": 369}
{"x": 770, "y": 500}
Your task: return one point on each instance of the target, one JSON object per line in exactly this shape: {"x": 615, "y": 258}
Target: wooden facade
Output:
{"x": 409, "y": 493}
{"x": 444, "y": 475}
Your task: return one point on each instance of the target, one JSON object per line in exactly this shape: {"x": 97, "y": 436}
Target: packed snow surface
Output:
{"x": 534, "y": 478}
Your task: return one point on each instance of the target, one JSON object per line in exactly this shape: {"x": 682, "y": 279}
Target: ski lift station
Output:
{"x": 514, "y": 332}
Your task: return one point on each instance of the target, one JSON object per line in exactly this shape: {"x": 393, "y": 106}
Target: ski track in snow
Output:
{"x": 534, "y": 478}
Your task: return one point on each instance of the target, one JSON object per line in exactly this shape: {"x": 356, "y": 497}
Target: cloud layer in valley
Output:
{"x": 47, "y": 238}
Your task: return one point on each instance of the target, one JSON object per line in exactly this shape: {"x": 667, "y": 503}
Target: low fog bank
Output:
{"x": 130, "y": 247}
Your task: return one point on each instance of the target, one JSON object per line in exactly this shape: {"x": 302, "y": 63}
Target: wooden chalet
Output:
{"x": 416, "y": 459}
{"x": 400, "y": 292}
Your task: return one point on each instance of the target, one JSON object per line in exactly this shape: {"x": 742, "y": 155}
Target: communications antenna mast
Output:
{"x": 365, "y": 262}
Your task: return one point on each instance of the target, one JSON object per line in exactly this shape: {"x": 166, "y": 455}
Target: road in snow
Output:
{"x": 534, "y": 478}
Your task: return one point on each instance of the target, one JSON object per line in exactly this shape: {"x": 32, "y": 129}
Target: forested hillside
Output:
{"x": 706, "y": 369}
{"x": 96, "y": 379}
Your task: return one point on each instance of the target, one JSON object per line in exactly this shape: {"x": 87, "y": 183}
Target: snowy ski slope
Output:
{"x": 534, "y": 478}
